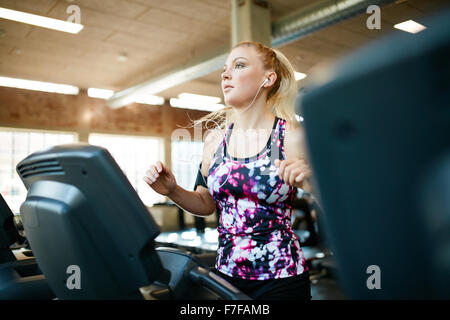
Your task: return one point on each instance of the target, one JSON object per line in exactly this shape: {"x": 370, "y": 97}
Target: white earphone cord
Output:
{"x": 256, "y": 95}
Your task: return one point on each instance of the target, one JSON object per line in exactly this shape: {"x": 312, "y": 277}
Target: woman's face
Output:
{"x": 243, "y": 74}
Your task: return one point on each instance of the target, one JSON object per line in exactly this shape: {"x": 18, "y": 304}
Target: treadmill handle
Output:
{"x": 215, "y": 283}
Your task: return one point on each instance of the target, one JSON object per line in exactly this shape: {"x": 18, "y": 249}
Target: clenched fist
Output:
{"x": 160, "y": 179}
{"x": 293, "y": 171}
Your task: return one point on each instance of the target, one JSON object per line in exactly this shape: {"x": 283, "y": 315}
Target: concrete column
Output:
{"x": 250, "y": 20}
{"x": 167, "y": 120}
{"x": 168, "y": 152}
{"x": 83, "y": 136}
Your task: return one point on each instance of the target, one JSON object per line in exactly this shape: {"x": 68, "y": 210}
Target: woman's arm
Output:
{"x": 205, "y": 204}
{"x": 198, "y": 202}
{"x": 295, "y": 168}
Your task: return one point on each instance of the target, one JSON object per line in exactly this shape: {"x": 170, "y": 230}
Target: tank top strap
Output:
{"x": 277, "y": 142}
{"x": 263, "y": 153}
{"x": 221, "y": 150}
{"x": 275, "y": 145}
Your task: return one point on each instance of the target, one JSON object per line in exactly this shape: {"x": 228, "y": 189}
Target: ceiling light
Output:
{"x": 299, "y": 75}
{"x": 40, "y": 21}
{"x": 100, "y": 93}
{"x": 144, "y": 99}
{"x": 122, "y": 57}
{"x": 199, "y": 98}
{"x": 299, "y": 118}
{"x": 38, "y": 85}
{"x": 410, "y": 26}
{"x": 151, "y": 99}
{"x": 87, "y": 116}
{"x": 195, "y": 105}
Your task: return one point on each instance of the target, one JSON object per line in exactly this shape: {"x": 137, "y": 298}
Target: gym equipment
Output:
{"x": 168, "y": 204}
{"x": 94, "y": 238}
{"x": 8, "y": 232}
{"x": 200, "y": 223}
{"x": 378, "y": 135}
{"x": 308, "y": 236}
{"x": 18, "y": 279}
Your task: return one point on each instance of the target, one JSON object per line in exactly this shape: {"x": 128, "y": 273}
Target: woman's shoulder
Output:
{"x": 294, "y": 140}
{"x": 294, "y": 128}
{"x": 212, "y": 142}
{"x": 214, "y": 137}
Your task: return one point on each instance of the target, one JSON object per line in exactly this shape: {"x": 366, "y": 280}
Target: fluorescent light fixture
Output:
{"x": 410, "y": 26}
{"x": 299, "y": 75}
{"x": 299, "y": 118}
{"x": 144, "y": 99}
{"x": 172, "y": 237}
{"x": 38, "y": 85}
{"x": 100, "y": 93}
{"x": 199, "y": 98}
{"x": 320, "y": 255}
{"x": 195, "y": 105}
{"x": 150, "y": 99}
{"x": 40, "y": 21}
{"x": 211, "y": 235}
{"x": 189, "y": 235}
{"x": 122, "y": 57}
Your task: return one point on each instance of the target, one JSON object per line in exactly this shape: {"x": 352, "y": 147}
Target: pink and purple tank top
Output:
{"x": 256, "y": 240}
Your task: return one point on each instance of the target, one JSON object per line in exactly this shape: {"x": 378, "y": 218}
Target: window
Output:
{"x": 134, "y": 155}
{"x": 15, "y": 145}
{"x": 186, "y": 156}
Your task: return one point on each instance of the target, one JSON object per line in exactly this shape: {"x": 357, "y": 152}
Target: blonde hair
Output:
{"x": 281, "y": 97}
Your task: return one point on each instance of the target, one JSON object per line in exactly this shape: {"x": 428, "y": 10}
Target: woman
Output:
{"x": 252, "y": 167}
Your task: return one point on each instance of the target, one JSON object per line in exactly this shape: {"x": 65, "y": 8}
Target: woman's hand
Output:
{"x": 160, "y": 179}
{"x": 293, "y": 171}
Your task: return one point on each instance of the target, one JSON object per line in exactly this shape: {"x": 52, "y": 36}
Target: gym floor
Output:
{"x": 326, "y": 289}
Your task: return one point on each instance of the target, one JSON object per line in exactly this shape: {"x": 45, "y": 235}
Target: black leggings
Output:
{"x": 291, "y": 288}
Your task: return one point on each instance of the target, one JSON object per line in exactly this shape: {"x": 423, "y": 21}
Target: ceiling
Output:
{"x": 157, "y": 36}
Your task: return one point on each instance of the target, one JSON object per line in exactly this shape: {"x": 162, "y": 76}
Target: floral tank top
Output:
{"x": 256, "y": 240}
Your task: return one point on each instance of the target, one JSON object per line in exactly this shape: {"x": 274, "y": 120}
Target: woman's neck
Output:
{"x": 251, "y": 130}
{"x": 256, "y": 117}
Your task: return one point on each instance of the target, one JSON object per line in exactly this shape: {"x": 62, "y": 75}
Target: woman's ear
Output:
{"x": 271, "y": 78}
